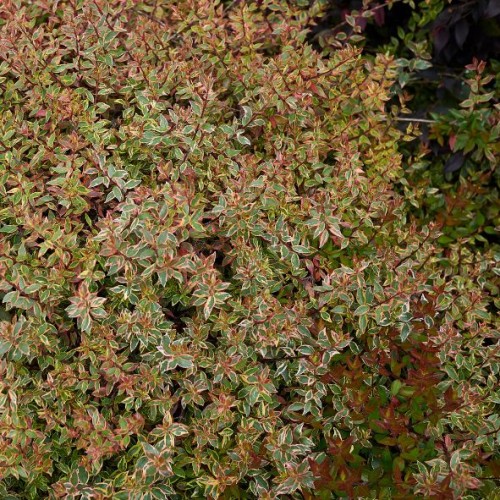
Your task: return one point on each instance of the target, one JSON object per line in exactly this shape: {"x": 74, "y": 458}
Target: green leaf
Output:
{"x": 395, "y": 386}
{"x": 247, "y": 115}
{"x": 362, "y": 310}
{"x": 243, "y": 140}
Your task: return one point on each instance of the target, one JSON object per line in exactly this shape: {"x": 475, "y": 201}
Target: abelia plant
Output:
{"x": 211, "y": 284}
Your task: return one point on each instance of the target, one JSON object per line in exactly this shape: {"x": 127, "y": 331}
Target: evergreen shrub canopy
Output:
{"x": 211, "y": 284}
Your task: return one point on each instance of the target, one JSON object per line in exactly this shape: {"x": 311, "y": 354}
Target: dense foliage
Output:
{"x": 214, "y": 281}
{"x": 448, "y": 58}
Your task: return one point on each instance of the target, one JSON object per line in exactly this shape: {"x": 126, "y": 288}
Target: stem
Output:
{"x": 416, "y": 120}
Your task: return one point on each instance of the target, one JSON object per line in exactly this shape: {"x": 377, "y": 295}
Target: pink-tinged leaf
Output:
{"x": 323, "y": 238}
{"x": 209, "y": 305}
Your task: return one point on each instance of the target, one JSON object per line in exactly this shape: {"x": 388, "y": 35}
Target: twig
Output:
{"x": 418, "y": 120}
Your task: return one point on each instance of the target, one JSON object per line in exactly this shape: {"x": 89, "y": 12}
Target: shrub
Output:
{"x": 212, "y": 286}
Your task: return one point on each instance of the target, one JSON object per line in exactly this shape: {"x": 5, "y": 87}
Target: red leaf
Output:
{"x": 441, "y": 35}
{"x": 379, "y": 16}
{"x": 461, "y": 31}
